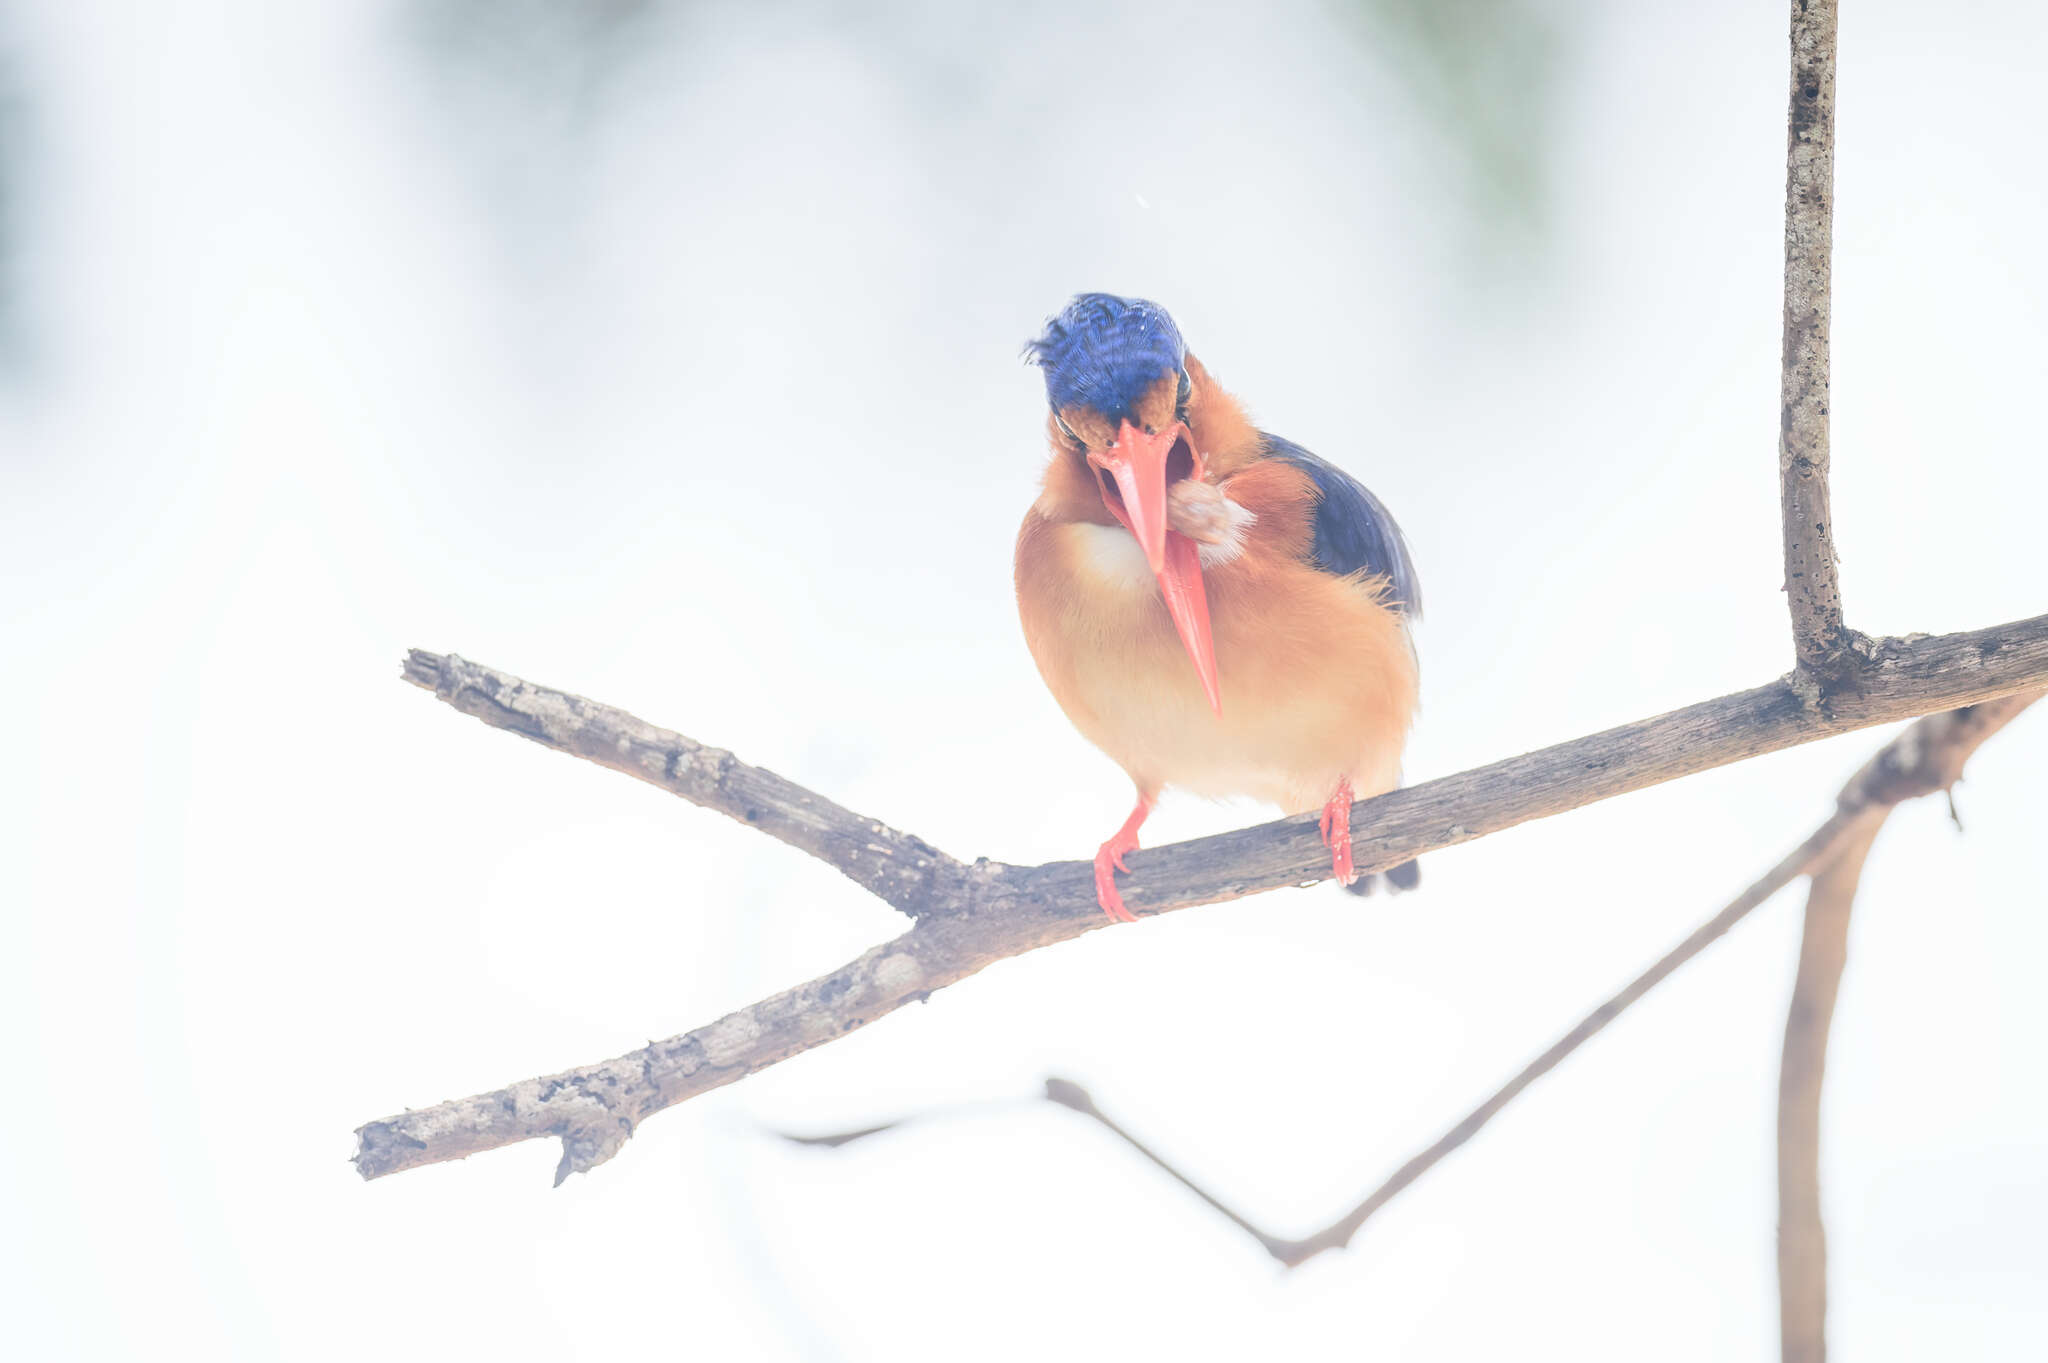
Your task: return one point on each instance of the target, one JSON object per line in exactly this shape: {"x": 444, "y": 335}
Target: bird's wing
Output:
{"x": 1355, "y": 533}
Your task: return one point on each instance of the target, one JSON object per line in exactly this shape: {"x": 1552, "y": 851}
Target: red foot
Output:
{"x": 1110, "y": 859}
{"x": 1336, "y": 826}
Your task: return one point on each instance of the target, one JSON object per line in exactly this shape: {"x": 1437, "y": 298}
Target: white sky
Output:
{"x": 697, "y": 391}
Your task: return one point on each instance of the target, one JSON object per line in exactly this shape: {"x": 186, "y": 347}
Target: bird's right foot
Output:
{"x": 1336, "y": 830}
{"x": 1108, "y": 862}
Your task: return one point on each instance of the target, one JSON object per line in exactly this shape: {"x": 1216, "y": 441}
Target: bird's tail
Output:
{"x": 1400, "y": 879}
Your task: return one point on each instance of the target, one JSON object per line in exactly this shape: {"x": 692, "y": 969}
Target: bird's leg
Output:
{"x": 1336, "y": 826}
{"x": 1110, "y": 859}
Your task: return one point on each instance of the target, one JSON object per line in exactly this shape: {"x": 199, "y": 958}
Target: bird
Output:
{"x": 1215, "y": 608}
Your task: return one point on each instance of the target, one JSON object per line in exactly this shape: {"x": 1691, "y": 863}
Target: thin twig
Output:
{"x": 1069, "y": 1094}
{"x": 970, "y": 917}
{"x": 1812, "y": 584}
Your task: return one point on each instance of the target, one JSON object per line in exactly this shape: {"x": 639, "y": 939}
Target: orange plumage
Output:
{"x": 1314, "y": 668}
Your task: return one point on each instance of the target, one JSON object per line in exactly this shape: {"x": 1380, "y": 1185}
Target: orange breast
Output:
{"x": 1318, "y": 678}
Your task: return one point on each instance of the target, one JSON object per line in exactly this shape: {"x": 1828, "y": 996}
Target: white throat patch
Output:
{"x": 1242, "y": 518}
{"x": 1114, "y": 559}
{"x": 1112, "y": 556}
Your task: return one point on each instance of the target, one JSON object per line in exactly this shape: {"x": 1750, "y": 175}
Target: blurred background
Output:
{"x": 668, "y": 352}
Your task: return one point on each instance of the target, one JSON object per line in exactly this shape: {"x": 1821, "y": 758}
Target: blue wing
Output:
{"x": 1355, "y": 533}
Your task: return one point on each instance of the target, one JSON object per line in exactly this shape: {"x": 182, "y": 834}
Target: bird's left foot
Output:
{"x": 1336, "y": 826}
{"x": 1109, "y": 859}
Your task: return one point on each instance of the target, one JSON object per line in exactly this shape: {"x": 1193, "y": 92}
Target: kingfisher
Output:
{"x": 1217, "y": 609}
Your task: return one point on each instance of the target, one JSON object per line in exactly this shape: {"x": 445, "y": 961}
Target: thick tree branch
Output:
{"x": 1925, "y": 759}
{"x": 1896, "y": 679}
{"x": 971, "y": 917}
{"x": 1812, "y": 584}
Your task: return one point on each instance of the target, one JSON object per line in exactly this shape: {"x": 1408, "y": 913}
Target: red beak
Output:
{"x": 1143, "y": 467}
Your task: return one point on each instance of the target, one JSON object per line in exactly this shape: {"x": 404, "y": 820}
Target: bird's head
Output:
{"x": 1116, "y": 379}
{"x": 1117, "y": 382}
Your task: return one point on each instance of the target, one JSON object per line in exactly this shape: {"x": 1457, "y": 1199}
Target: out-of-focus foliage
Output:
{"x": 527, "y": 79}
{"x": 13, "y": 156}
{"x": 1483, "y": 74}
{"x": 559, "y": 49}
{"x": 1479, "y": 75}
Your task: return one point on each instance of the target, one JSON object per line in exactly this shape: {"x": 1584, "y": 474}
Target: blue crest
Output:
{"x": 1103, "y": 352}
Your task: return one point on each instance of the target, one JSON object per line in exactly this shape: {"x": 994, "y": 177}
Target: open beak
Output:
{"x": 1143, "y": 467}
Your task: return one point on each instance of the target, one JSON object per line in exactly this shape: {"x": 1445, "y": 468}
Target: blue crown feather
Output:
{"x": 1103, "y": 352}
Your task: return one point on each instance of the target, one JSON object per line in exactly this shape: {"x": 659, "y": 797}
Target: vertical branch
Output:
{"x": 1811, "y": 582}
{"x": 1814, "y": 595}
{"x": 1802, "y": 1242}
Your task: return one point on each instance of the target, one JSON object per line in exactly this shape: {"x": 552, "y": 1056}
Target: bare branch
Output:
{"x": 1927, "y": 758}
{"x": 972, "y": 916}
{"x": 1812, "y": 584}
{"x": 1069, "y": 1094}
{"x": 1339, "y": 1233}
{"x": 1802, "y": 1242}
{"x": 593, "y": 1109}
{"x": 904, "y": 872}
{"x": 1898, "y": 679}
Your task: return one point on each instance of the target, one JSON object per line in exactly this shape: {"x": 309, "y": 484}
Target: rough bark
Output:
{"x": 1927, "y": 758}
{"x": 1802, "y": 1240}
{"x": 904, "y": 872}
{"x": 1812, "y": 582}
{"x": 972, "y": 916}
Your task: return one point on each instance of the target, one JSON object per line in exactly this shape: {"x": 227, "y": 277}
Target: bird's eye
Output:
{"x": 1186, "y": 386}
{"x": 1065, "y": 429}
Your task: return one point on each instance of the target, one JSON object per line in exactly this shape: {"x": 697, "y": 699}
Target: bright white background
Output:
{"x": 675, "y": 362}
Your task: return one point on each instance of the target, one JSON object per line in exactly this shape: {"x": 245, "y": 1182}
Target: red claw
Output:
{"x": 1109, "y": 859}
{"x": 1336, "y": 827}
